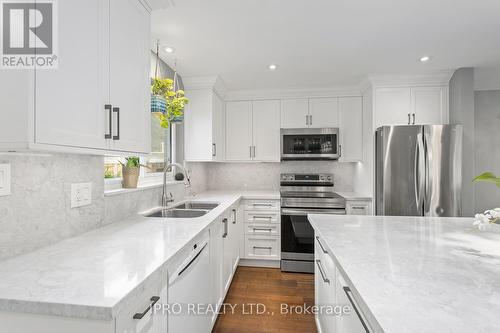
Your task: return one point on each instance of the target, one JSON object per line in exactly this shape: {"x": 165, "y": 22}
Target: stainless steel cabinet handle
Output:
{"x": 310, "y": 120}
{"x": 214, "y": 149}
{"x": 263, "y": 247}
{"x": 322, "y": 272}
{"x": 262, "y": 205}
{"x": 250, "y": 151}
{"x": 117, "y": 111}
{"x": 234, "y": 216}
{"x": 263, "y": 218}
{"x": 224, "y": 235}
{"x": 349, "y": 295}
{"x": 340, "y": 150}
{"x": 253, "y": 155}
{"x": 409, "y": 118}
{"x": 321, "y": 245}
{"x": 357, "y": 207}
{"x": 154, "y": 300}
{"x": 108, "y": 108}
{"x": 262, "y": 229}
{"x": 413, "y": 119}
{"x": 307, "y": 119}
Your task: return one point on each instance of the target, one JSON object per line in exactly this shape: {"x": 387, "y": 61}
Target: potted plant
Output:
{"x": 158, "y": 93}
{"x": 130, "y": 172}
{"x": 491, "y": 215}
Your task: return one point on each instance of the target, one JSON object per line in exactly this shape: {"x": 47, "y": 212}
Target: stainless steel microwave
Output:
{"x": 310, "y": 144}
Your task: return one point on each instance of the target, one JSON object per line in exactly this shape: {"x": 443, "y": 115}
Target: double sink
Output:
{"x": 187, "y": 209}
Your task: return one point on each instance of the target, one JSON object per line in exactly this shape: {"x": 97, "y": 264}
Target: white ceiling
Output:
{"x": 320, "y": 43}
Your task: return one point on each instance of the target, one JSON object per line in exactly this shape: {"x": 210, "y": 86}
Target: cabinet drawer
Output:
{"x": 262, "y": 247}
{"x": 262, "y": 229}
{"x": 262, "y": 205}
{"x": 137, "y": 315}
{"x": 358, "y": 208}
{"x": 262, "y": 217}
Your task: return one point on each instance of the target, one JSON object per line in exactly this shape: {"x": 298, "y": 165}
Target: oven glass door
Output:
{"x": 297, "y": 234}
{"x": 310, "y": 146}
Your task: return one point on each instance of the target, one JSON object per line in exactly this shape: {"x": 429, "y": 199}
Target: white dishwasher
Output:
{"x": 189, "y": 289}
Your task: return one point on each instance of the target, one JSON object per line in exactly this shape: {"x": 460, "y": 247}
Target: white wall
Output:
{"x": 487, "y": 147}
{"x": 462, "y": 112}
{"x": 266, "y": 176}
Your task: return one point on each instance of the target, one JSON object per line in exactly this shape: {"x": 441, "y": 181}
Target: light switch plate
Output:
{"x": 4, "y": 179}
{"x": 81, "y": 194}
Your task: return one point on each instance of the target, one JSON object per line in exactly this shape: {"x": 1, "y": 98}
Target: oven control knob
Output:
{"x": 329, "y": 178}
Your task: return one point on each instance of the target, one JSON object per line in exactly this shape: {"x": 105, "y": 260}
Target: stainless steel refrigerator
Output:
{"x": 418, "y": 170}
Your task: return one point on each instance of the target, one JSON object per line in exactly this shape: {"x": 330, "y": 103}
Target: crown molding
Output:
{"x": 214, "y": 83}
{"x": 435, "y": 78}
{"x": 238, "y": 95}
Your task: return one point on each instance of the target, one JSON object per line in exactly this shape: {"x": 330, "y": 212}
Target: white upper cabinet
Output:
{"x": 323, "y": 112}
{"x": 393, "y": 106}
{"x": 70, "y": 100}
{"x": 129, "y": 76}
{"x": 429, "y": 105}
{"x": 294, "y": 113}
{"x": 411, "y": 105}
{"x": 253, "y": 130}
{"x": 266, "y": 130}
{"x": 97, "y": 100}
{"x": 351, "y": 128}
{"x": 204, "y": 126}
{"x": 239, "y": 131}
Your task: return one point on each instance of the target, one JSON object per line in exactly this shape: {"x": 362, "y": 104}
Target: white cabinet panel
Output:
{"x": 271, "y": 205}
{"x": 238, "y": 131}
{"x": 294, "y": 113}
{"x": 358, "y": 207}
{"x": 216, "y": 263}
{"x": 69, "y": 108}
{"x": 393, "y": 106}
{"x": 266, "y": 130}
{"x": 430, "y": 105}
{"x": 325, "y": 291}
{"x": 262, "y": 247}
{"x": 218, "y": 132}
{"x": 351, "y": 128}
{"x": 348, "y": 323}
{"x": 129, "y": 75}
{"x": 323, "y": 112}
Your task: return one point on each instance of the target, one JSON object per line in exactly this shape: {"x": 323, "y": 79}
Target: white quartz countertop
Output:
{"x": 417, "y": 274}
{"x": 91, "y": 276}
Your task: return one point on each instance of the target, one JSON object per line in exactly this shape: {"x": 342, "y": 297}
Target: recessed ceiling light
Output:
{"x": 273, "y": 67}
{"x": 425, "y": 58}
{"x": 169, "y": 49}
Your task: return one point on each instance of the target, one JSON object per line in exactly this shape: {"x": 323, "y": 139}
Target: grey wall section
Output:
{"x": 462, "y": 112}
{"x": 487, "y": 147}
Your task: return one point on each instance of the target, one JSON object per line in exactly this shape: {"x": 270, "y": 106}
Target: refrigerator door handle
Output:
{"x": 419, "y": 171}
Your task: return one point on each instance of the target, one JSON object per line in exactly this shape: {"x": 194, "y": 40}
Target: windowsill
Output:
{"x": 113, "y": 186}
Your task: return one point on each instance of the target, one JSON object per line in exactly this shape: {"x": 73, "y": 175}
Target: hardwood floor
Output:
{"x": 271, "y": 288}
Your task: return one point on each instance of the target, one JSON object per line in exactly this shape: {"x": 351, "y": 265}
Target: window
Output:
{"x": 162, "y": 149}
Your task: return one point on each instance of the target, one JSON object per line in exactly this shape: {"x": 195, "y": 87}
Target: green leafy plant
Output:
{"x": 489, "y": 178}
{"x": 176, "y": 100}
{"x": 132, "y": 162}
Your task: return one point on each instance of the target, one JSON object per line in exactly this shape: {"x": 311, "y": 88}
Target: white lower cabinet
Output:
{"x": 358, "y": 207}
{"x": 139, "y": 315}
{"x": 331, "y": 289}
{"x": 262, "y": 247}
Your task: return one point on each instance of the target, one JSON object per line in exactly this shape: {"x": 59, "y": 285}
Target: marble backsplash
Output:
{"x": 38, "y": 213}
{"x": 266, "y": 176}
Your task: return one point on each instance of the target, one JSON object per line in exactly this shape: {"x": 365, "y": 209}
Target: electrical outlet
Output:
{"x": 4, "y": 179}
{"x": 81, "y": 194}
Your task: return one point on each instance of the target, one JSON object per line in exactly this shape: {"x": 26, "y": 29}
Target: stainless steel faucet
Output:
{"x": 187, "y": 182}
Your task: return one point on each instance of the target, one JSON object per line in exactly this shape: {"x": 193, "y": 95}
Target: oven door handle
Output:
{"x": 304, "y": 212}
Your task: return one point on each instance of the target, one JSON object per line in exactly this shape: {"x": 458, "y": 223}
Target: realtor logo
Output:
{"x": 29, "y": 34}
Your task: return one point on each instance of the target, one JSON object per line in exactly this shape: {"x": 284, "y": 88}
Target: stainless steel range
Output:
{"x": 303, "y": 194}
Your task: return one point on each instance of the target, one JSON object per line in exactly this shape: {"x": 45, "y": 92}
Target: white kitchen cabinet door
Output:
{"x": 236, "y": 230}
{"x": 227, "y": 253}
{"x": 129, "y": 76}
{"x": 69, "y": 108}
{"x": 294, "y": 113}
{"x": 216, "y": 257}
{"x": 266, "y": 130}
{"x": 238, "y": 131}
{"x": 392, "y": 106}
{"x": 430, "y": 105}
{"x": 218, "y": 132}
{"x": 351, "y": 128}
{"x": 323, "y": 112}
{"x": 325, "y": 292}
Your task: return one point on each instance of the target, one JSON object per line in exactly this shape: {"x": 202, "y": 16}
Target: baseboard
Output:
{"x": 259, "y": 263}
